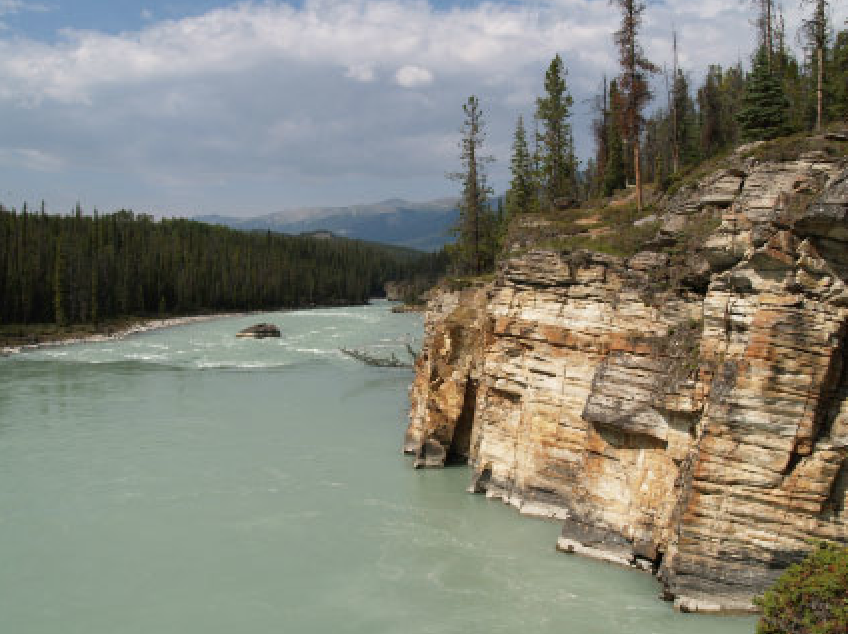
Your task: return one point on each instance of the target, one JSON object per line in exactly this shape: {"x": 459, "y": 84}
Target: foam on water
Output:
{"x": 212, "y": 345}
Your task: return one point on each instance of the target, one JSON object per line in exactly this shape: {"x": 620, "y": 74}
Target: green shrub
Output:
{"x": 810, "y": 597}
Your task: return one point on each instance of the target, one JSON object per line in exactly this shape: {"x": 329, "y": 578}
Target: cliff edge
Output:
{"x": 682, "y": 409}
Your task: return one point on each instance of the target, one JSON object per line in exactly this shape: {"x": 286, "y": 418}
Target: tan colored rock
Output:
{"x": 701, "y": 436}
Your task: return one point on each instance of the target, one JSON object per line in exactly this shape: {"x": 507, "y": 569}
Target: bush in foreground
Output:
{"x": 810, "y": 597}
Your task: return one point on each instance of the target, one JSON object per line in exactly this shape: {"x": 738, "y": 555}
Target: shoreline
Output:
{"x": 112, "y": 332}
{"x": 120, "y": 332}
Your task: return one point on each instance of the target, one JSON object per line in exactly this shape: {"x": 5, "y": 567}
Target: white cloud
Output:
{"x": 413, "y": 77}
{"x": 264, "y": 104}
{"x": 8, "y": 7}
{"x": 361, "y": 72}
{"x": 32, "y": 159}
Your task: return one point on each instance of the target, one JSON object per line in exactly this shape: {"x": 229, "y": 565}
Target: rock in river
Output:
{"x": 260, "y": 331}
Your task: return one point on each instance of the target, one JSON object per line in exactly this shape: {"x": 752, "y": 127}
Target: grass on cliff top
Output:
{"x": 605, "y": 226}
{"x": 459, "y": 282}
{"x": 790, "y": 148}
{"x": 787, "y": 148}
{"x": 692, "y": 175}
{"x": 624, "y": 241}
{"x": 614, "y": 227}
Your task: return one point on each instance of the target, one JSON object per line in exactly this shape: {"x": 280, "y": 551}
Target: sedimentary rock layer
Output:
{"x": 689, "y": 420}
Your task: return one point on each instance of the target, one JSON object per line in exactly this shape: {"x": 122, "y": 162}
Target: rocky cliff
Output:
{"x": 683, "y": 409}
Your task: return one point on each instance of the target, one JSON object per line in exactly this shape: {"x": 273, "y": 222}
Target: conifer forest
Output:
{"x": 80, "y": 269}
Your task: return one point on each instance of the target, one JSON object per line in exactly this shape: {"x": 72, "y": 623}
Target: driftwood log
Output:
{"x": 391, "y": 361}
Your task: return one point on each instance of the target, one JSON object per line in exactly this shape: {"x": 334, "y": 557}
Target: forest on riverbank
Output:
{"x": 84, "y": 269}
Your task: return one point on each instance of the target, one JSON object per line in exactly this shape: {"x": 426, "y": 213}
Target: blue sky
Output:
{"x": 183, "y": 107}
{"x": 44, "y": 19}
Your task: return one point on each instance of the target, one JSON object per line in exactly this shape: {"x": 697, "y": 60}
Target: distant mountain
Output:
{"x": 425, "y": 226}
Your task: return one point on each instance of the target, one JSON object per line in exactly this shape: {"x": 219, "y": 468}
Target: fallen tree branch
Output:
{"x": 373, "y": 360}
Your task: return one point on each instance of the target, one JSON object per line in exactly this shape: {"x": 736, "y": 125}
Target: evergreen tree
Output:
{"x": 686, "y": 129}
{"x": 657, "y": 147}
{"x": 713, "y": 134}
{"x": 635, "y": 68}
{"x": 614, "y": 174}
{"x": 816, "y": 31}
{"x": 764, "y": 108}
{"x": 732, "y": 95}
{"x": 553, "y": 111}
{"x": 94, "y": 311}
{"x": 673, "y": 103}
{"x": 521, "y": 195}
{"x": 60, "y": 285}
{"x": 836, "y": 86}
{"x": 600, "y": 125}
{"x": 765, "y": 25}
{"x": 536, "y": 159}
{"x": 800, "y": 113}
{"x": 475, "y": 228}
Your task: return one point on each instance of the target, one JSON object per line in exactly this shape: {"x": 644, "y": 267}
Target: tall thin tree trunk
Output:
{"x": 820, "y": 53}
{"x": 604, "y": 157}
{"x": 675, "y": 148}
{"x": 638, "y": 172}
{"x": 474, "y": 204}
{"x": 768, "y": 31}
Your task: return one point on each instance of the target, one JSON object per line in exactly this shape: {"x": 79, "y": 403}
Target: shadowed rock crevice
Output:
{"x": 460, "y": 446}
{"x": 480, "y": 481}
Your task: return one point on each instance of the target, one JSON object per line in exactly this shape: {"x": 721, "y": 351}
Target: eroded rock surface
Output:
{"x": 690, "y": 420}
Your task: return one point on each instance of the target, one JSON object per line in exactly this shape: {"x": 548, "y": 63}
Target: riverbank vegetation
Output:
{"x": 73, "y": 272}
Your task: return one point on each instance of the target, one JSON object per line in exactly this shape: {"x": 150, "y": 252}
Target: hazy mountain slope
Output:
{"x": 424, "y": 226}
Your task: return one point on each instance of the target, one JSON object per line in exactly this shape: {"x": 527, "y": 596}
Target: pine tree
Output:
{"x": 673, "y": 103}
{"x": 521, "y": 195}
{"x": 553, "y": 111}
{"x": 686, "y": 131}
{"x": 836, "y": 86}
{"x": 765, "y": 25}
{"x": 764, "y": 107}
{"x": 816, "y": 31}
{"x": 475, "y": 228}
{"x": 60, "y": 285}
{"x": 614, "y": 174}
{"x": 801, "y": 108}
{"x": 635, "y": 68}
{"x": 600, "y": 125}
{"x": 709, "y": 104}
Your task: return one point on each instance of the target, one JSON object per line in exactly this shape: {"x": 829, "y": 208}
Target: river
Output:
{"x": 184, "y": 481}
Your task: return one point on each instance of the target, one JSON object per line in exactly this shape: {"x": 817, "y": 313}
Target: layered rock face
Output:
{"x": 689, "y": 419}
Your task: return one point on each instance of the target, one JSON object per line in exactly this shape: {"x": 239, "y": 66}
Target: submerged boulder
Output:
{"x": 260, "y": 331}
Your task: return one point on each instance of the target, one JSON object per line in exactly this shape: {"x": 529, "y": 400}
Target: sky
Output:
{"x": 187, "y": 107}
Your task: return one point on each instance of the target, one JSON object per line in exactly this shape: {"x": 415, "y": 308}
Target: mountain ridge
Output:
{"x": 420, "y": 225}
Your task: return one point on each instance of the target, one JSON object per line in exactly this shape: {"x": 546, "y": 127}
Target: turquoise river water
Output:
{"x": 184, "y": 481}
